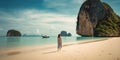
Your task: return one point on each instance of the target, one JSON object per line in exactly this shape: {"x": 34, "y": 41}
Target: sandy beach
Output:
{"x": 104, "y": 49}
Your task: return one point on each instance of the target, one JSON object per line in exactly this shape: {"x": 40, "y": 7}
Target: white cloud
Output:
{"x": 64, "y": 6}
{"x": 34, "y": 21}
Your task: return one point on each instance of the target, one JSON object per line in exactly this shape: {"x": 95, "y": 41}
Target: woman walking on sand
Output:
{"x": 59, "y": 42}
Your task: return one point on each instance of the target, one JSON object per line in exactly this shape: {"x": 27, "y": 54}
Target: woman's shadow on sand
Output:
{"x": 50, "y": 52}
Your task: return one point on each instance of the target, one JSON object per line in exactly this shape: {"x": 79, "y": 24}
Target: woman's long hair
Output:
{"x": 59, "y": 35}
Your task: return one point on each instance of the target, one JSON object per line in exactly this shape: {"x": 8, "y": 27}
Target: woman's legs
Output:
{"x": 59, "y": 48}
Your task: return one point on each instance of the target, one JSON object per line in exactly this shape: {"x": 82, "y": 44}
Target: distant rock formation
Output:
{"x": 13, "y": 33}
{"x": 64, "y": 33}
{"x": 69, "y": 34}
{"x": 97, "y": 18}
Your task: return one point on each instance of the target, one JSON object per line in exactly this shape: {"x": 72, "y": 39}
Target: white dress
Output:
{"x": 59, "y": 43}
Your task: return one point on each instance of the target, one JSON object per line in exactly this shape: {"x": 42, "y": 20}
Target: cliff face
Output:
{"x": 13, "y": 33}
{"x": 92, "y": 15}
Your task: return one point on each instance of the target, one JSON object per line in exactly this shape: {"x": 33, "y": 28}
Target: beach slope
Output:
{"x": 108, "y": 49}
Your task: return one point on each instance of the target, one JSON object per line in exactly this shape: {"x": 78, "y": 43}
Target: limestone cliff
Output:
{"x": 92, "y": 15}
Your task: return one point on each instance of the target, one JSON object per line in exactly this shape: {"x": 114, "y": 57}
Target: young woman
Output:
{"x": 59, "y": 42}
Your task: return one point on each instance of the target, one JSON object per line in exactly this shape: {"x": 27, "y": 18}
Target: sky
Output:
{"x": 47, "y": 17}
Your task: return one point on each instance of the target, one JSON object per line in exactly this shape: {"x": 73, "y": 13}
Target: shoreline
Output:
{"x": 18, "y": 50}
{"x": 105, "y": 49}
{"x": 77, "y": 40}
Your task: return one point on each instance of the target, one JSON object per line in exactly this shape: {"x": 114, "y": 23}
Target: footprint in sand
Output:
{"x": 102, "y": 51}
{"x": 99, "y": 54}
{"x": 109, "y": 54}
{"x": 118, "y": 59}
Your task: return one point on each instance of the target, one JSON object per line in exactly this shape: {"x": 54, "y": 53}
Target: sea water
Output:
{"x": 11, "y": 42}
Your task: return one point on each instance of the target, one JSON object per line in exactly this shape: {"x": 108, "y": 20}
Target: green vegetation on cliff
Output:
{"x": 110, "y": 25}
{"x": 96, "y": 18}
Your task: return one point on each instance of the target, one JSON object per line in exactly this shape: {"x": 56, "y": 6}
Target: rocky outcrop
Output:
{"x": 69, "y": 34}
{"x": 64, "y": 33}
{"x": 13, "y": 33}
{"x": 91, "y": 16}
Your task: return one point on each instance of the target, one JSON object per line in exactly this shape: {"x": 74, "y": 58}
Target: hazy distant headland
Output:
{"x": 97, "y": 18}
{"x": 17, "y": 33}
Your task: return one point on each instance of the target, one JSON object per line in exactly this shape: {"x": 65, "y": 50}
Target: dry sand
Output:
{"x": 105, "y": 49}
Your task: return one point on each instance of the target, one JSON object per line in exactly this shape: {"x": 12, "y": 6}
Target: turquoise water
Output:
{"x": 10, "y": 42}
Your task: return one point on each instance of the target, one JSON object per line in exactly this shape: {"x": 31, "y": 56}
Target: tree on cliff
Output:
{"x": 109, "y": 26}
